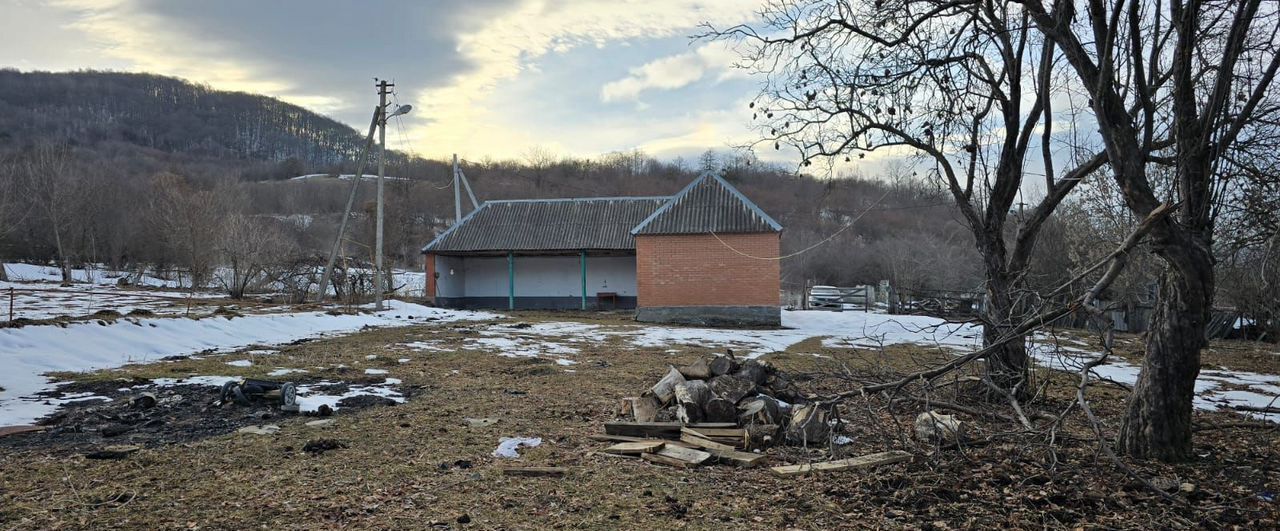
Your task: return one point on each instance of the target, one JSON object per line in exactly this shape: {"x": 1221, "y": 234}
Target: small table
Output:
{"x": 611, "y": 295}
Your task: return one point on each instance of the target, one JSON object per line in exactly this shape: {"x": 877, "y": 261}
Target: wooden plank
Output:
{"x": 624, "y": 438}
{"x": 636, "y": 448}
{"x": 736, "y": 437}
{"x": 853, "y": 463}
{"x": 678, "y": 457}
{"x": 666, "y": 430}
{"x": 535, "y": 471}
{"x": 736, "y": 458}
{"x": 693, "y": 437}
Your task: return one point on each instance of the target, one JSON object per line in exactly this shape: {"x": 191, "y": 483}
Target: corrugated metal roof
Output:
{"x": 548, "y": 225}
{"x": 708, "y": 204}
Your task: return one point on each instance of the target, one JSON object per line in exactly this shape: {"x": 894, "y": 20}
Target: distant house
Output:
{"x": 706, "y": 255}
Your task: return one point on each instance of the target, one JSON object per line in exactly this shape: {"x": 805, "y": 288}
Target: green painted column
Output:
{"x": 583, "y": 259}
{"x": 511, "y": 280}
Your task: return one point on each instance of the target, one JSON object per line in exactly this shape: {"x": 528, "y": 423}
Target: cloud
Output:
{"x": 673, "y": 72}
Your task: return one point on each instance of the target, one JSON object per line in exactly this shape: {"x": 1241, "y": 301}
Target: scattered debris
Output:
{"x": 479, "y": 422}
{"x": 248, "y": 391}
{"x": 933, "y": 427}
{"x": 265, "y": 429}
{"x": 866, "y": 461}
{"x": 322, "y": 423}
{"x": 507, "y": 446}
{"x": 320, "y": 446}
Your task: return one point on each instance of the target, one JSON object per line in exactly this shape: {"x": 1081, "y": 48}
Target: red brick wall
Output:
{"x": 699, "y": 270}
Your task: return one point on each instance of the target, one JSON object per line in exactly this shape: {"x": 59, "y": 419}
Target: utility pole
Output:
{"x": 457, "y": 192}
{"x": 382, "y": 167}
{"x": 346, "y": 214}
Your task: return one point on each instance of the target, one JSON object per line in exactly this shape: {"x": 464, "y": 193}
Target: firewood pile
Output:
{"x": 721, "y": 410}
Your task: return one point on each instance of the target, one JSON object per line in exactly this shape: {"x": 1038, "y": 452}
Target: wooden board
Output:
{"x": 735, "y": 437}
{"x": 624, "y": 438}
{"x": 736, "y": 458}
{"x": 666, "y": 430}
{"x": 853, "y": 463}
{"x": 535, "y": 471}
{"x": 678, "y": 457}
{"x": 636, "y": 448}
{"x": 693, "y": 437}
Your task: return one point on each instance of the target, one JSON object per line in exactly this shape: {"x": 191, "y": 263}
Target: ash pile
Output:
{"x": 720, "y": 409}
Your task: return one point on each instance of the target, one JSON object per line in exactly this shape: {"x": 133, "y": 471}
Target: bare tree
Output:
{"x": 51, "y": 182}
{"x": 10, "y": 207}
{"x": 189, "y": 220}
{"x": 967, "y": 87}
{"x": 1197, "y": 74}
{"x": 250, "y": 248}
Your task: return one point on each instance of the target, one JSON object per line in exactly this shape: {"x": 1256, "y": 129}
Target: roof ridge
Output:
{"x": 679, "y": 198}
{"x": 566, "y": 199}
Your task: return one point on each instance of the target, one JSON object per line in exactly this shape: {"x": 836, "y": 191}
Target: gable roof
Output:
{"x": 602, "y": 223}
{"x": 708, "y": 204}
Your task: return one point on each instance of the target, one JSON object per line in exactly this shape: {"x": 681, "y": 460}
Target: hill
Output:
{"x": 169, "y": 115}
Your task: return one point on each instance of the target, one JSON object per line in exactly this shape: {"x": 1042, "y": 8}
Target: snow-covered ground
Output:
{"x": 38, "y": 295}
{"x": 27, "y": 353}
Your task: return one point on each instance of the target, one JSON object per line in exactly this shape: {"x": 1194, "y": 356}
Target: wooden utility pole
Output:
{"x": 457, "y": 192}
{"x": 346, "y": 214}
{"x": 382, "y": 167}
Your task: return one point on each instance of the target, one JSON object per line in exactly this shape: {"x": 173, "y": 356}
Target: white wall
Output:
{"x": 453, "y": 275}
{"x": 616, "y": 274}
{"x": 486, "y": 276}
{"x": 536, "y": 276}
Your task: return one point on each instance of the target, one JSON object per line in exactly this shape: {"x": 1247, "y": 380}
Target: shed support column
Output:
{"x": 583, "y": 259}
{"x": 511, "y": 280}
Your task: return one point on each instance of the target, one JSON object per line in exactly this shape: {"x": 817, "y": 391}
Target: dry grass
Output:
{"x": 401, "y": 470}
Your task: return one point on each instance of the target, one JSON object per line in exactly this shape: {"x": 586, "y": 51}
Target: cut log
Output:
{"x": 732, "y": 388}
{"x": 665, "y": 389}
{"x": 808, "y": 425}
{"x": 762, "y": 435}
{"x": 866, "y": 461}
{"x": 535, "y": 471}
{"x": 736, "y": 458}
{"x": 759, "y": 410}
{"x": 698, "y": 370}
{"x": 696, "y": 439}
{"x": 636, "y": 448}
{"x": 719, "y": 410}
{"x": 722, "y": 365}
{"x": 14, "y": 430}
{"x": 752, "y": 371}
{"x": 690, "y": 397}
{"x": 678, "y": 457}
{"x": 661, "y": 430}
{"x": 640, "y": 409}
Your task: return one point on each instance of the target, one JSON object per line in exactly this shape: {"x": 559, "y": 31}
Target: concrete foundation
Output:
{"x": 716, "y": 316}
{"x": 534, "y": 303}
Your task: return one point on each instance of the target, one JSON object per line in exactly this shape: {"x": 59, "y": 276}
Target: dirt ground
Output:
{"x": 418, "y": 465}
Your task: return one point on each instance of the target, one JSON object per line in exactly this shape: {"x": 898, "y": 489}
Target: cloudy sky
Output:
{"x": 486, "y": 77}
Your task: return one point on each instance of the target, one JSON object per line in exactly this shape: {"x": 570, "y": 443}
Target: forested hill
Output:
{"x": 166, "y": 114}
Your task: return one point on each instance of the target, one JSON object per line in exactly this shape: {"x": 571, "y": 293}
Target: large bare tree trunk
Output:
{"x": 1008, "y": 367}
{"x": 1158, "y": 422}
{"x": 4, "y": 275}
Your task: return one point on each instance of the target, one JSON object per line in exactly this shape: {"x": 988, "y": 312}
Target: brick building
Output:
{"x": 706, "y": 255}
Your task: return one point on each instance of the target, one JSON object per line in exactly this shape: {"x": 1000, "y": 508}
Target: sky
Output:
{"x": 486, "y": 78}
